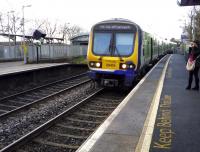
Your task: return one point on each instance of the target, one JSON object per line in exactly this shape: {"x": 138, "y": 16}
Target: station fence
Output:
{"x": 42, "y": 52}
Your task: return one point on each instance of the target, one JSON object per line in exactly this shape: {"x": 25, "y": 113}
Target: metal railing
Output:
{"x": 46, "y": 51}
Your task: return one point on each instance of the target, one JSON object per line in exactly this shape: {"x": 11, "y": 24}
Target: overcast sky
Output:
{"x": 162, "y": 17}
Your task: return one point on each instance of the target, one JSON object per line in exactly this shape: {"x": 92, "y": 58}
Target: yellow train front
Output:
{"x": 119, "y": 51}
{"x": 113, "y": 51}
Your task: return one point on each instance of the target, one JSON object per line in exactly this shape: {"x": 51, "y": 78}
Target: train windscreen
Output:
{"x": 124, "y": 44}
{"x": 102, "y": 43}
{"x": 113, "y": 44}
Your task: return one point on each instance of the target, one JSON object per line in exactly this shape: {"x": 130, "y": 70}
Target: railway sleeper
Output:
{"x": 74, "y": 127}
{"x": 48, "y": 143}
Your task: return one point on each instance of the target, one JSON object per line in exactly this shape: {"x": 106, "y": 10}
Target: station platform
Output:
{"x": 17, "y": 67}
{"x": 158, "y": 115}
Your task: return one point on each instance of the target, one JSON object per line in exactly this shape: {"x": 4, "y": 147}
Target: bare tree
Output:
{"x": 3, "y": 27}
{"x": 54, "y": 30}
{"x": 197, "y": 24}
{"x": 74, "y": 30}
{"x": 13, "y": 27}
{"x": 63, "y": 29}
{"x": 37, "y": 24}
{"x": 68, "y": 32}
{"x": 50, "y": 28}
{"x": 46, "y": 26}
{"x": 194, "y": 19}
{"x": 15, "y": 24}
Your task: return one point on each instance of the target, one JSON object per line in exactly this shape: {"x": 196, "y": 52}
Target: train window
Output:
{"x": 102, "y": 43}
{"x": 124, "y": 43}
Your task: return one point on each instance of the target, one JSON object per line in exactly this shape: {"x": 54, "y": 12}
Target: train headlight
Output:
{"x": 94, "y": 64}
{"x": 124, "y": 66}
{"x": 91, "y": 64}
{"x": 98, "y": 64}
{"x": 127, "y": 66}
{"x": 131, "y": 66}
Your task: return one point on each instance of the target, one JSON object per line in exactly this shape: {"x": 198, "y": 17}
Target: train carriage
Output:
{"x": 119, "y": 51}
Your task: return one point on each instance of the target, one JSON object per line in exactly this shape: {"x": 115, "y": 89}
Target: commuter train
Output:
{"x": 119, "y": 51}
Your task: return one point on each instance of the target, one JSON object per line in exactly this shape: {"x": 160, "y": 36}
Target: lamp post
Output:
{"x": 24, "y": 47}
{"x": 8, "y": 13}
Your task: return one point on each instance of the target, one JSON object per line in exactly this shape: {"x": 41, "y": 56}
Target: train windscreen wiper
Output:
{"x": 109, "y": 48}
{"x": 111, "y": 45}
{"x": 117, "y": 51}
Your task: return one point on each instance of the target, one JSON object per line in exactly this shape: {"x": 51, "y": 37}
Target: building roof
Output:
{"x": 28, "y": 36}
{"x": 82, "y": 38}
{"x": 188, "y": 2}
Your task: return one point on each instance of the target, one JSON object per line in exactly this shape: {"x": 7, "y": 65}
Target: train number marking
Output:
{"x": 110, "y": 65}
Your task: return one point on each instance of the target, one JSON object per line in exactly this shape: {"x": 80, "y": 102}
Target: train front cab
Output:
{"x": 113, "y": 70}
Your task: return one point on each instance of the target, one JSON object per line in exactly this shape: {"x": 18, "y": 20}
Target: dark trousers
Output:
{"x": 195, "y": 73}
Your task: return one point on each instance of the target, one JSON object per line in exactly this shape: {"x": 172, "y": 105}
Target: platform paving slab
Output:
{"x": 15, "y": 67}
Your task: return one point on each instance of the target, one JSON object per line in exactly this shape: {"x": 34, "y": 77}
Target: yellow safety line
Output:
{"x": 147, "y": 131}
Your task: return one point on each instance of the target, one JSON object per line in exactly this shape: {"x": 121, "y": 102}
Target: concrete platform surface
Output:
{"x": 15, "y": 67}
{"x": 123, "y": 131}
{"x": 178, "y": 118}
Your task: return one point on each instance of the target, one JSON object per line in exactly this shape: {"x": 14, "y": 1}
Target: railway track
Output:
{"x": 19, "y": 101}
{"x": 24, "y": 80}
{"x": 67, "y": 131}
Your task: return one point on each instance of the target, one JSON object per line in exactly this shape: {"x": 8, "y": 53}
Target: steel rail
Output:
{"x": 42, "y": 86}
{"x": 20, "y": 142}
{"x": 4, "y": 115}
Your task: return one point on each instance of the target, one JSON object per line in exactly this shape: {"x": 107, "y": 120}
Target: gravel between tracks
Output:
{"x": 24, "y": 122}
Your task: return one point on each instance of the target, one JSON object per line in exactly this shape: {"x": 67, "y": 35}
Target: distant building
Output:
{"x": 81, "y": 39}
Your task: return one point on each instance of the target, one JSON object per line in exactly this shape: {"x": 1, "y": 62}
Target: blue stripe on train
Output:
{"x": 140, "y": 35}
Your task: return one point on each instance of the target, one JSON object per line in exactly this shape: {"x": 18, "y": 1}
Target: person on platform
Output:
{"x": 194, "y": 51}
